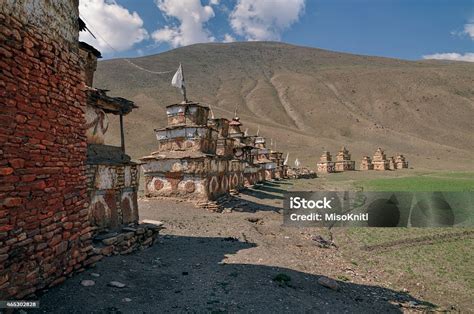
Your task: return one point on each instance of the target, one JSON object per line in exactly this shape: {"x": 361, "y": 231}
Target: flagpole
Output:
{"x": 183, "y": 87}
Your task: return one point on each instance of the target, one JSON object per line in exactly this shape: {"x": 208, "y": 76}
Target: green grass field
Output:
{"x": 416, "y": 259}
{"x": 419, "y": 260}
{"x": 439, "y": 181}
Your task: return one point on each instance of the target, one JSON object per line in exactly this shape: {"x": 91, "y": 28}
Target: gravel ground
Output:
{"x": 237, "y": 261}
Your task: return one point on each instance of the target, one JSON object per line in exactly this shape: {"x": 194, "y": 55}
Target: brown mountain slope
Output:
{"x": 308, "y": 100}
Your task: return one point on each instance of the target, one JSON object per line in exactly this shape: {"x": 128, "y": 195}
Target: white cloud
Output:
{"x": 264, "y": 19}
{"x": 111, "y": 23}
{"x": 469, "y": 30}
{"x": 454, "y": 56}
{"x": 191, "y": 15}
{"x": 228, "y": 38}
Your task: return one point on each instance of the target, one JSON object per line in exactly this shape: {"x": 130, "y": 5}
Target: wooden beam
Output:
{"x": 122, "y": 137}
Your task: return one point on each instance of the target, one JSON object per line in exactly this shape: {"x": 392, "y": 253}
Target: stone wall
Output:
{"x": 57, "y": 19}
{"x": 44, "y": 230}
{"x": 113, "y": 192}
{"x": 204, "y": 178}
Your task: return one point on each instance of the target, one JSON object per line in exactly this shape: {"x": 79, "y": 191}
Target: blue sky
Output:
{"x": 406, "y": 29}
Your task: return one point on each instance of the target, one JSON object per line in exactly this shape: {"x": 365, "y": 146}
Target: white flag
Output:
{"x": 286, "y": 159}
{"x": 178, "y": 78}
{"x": 297, "y": 163}
{"x": 212, "y": 112}
{"x": 178, "y": 81}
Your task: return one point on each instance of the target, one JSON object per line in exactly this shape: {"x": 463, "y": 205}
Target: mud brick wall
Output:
{"x": 112, "y": 190}
{"x": 44, "y": 231}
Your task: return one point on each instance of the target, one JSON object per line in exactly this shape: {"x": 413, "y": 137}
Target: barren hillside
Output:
{"x": 308, "y": 100}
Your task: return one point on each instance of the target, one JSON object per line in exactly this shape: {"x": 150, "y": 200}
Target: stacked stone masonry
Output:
{"x": 113, "y": 195}
{"x": 261, "y": 156}
{"x": 366, "y": 163}
{"x": 45, "y": 233}
{"x": 127, "y": 239}
{"x": 380, "y": 161}
{"x": 325, "y": 164}
{"x": 51, "y": 170}
{"x": 203, "y": 159}
{"x": 344, "y": 163}
{"x": 301, "y": 173}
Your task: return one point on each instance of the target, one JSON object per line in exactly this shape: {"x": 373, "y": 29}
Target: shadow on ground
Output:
{"x": 190, "y": 274}
{"x": 243, "y": 204}
{"x": 267, "y": 190}
{"x": 260, "y": 194}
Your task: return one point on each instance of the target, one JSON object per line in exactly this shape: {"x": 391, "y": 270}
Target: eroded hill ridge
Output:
{"x": 309, "y": 100}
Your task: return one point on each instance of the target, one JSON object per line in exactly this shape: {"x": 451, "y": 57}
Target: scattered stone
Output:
{"x": 212, "y": 206}
{"x": 152, "y": 223}
{"x": 110, "y": 241}
{"x": 129, "y": 235}
{"x": 95, "y": 275}
{"x": 116, "y": 284}
{"x": 328, "y": 283}
{"x": 253, "y": 219}
{"x": 129, "y": 229}
{"x": 87, "y": 283}
{"x": 323, "y": 243}
{"x": 185, "y": 273}
{"x": 103, "y": 236}
{"x": 126, "y": 300}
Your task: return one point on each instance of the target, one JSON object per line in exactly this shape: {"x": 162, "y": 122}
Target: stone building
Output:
{"x": 262, "y": 158}
{"x": 400, "y": 162}
{"x": 276, "y": 157}
{"x": 343, "y": 161}
{"x": 225, "y": 145}
{"x": 366, "y": 163}
{"x": 325, "y": 164}
{"x": 391, "y": 163}
{"x": 112, "y": 178}
{"x": 186, "y": 164}
{"x": 243, "y": 146}
{"x": 380, "y": 161}
{"x": 48, "y": 166}
{"x": 45, "y": 233}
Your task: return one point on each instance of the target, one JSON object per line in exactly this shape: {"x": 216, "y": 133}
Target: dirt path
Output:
{"x": 227, "y": 262}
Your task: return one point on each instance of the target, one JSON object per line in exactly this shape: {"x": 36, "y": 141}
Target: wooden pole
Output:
{"x": 122, "y": 137}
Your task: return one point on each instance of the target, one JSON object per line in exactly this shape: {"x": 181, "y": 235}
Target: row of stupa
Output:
{"x": 382, "y": 162}
{"x": 202, "y": 158}
{"x": 343, "y": 162}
